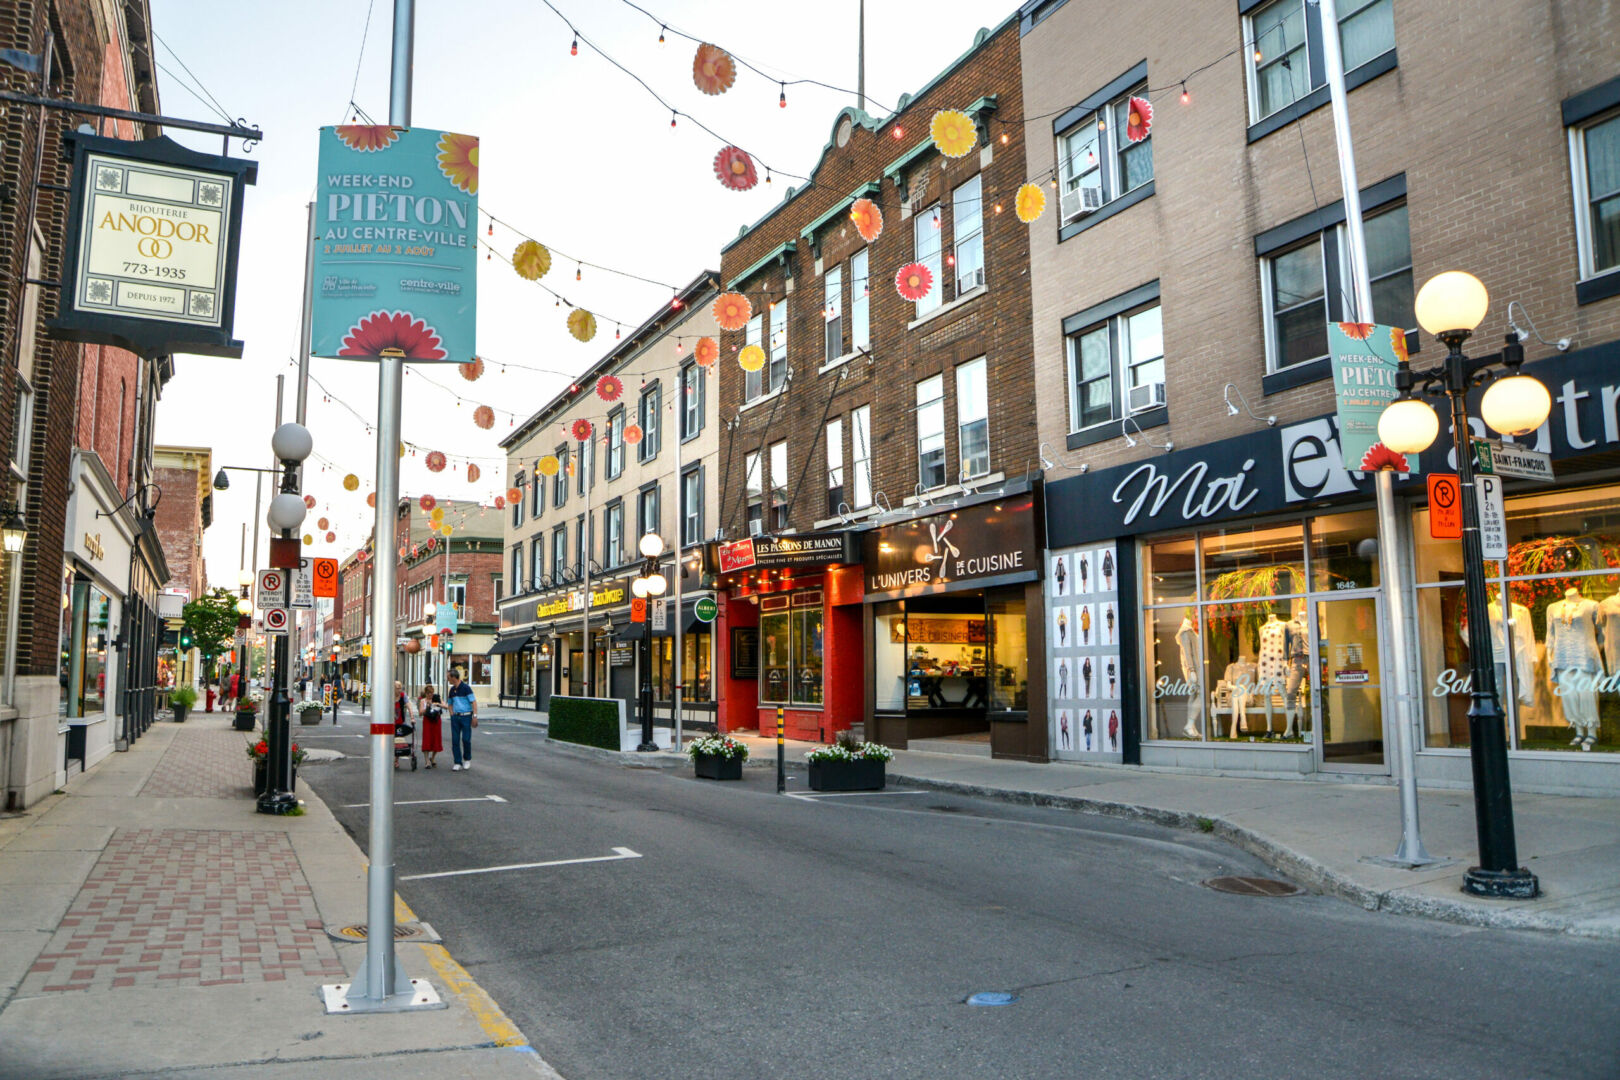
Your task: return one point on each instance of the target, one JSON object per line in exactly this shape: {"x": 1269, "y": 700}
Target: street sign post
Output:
{"x": 1508, "y": 459}
{"x": 1493, "y": 541}
{"x": 325, "y": 578}
{"x": 660, "y": 616}
{"x": 276, "y": 620}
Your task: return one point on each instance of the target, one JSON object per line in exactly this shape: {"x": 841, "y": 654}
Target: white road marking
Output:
{"x": 814, "y": 795}
{"x": 619, "y": 854}
{"x": 425, "y": 802}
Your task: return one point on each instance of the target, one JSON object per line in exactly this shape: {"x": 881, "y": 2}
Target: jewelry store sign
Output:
{"x": 150, "y": 263}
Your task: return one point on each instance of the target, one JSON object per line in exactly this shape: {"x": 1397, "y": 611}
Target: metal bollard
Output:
{"x": 781, "y": 766}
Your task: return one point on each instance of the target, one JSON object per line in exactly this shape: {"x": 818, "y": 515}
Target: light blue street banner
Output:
{"x": 1365, "y": 359}
{"x": 396, "y": 248}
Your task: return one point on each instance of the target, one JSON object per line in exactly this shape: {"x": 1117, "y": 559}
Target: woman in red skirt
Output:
{"x": 431, "y": 709}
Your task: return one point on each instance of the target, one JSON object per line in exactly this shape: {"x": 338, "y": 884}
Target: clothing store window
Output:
{"x": 86, "y": 637}
{"x": 790, "y": 645}
{"x": 1556, "y": 647}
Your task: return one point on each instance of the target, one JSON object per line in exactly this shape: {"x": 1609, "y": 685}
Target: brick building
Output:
{"x": 185, "y": 475}
{"x": 461, "y": 569}
{"x": 352, "y": 612}
{"x": 1182, "y": 294}
{"x": 877, "y": 419}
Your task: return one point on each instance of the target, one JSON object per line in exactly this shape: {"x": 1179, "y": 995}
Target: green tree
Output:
{"x": 212, "y": 621}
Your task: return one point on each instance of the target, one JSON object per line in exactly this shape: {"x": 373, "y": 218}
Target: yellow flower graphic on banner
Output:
{"x": 531, "y": 260}
{"x": 752, "y": 358}
{"x": 1397, "y": 338}
{"x": 1030, "y": 204}
{"x": 582, "y": 324}
{"x": 458, "y": 160}
{"x": 953, "y": 132}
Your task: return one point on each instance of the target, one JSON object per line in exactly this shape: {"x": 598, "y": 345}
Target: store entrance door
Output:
{"x": 1348, "y": 681}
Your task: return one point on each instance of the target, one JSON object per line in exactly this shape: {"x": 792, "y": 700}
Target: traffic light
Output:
{"x": 185, "y": 639}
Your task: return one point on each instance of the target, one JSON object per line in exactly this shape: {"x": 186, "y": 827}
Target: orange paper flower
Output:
{"x": 331, "y": 538}
{"x": 732, "y": 311}
{"x": 458, "y": 161}
{"x": 435, "y": 461}
{"x": 735, "y": 169}
{"x": 581, "y": 430}
{"x": 322, "y": 524}
{"x": 392, "y": 330}
{"x": 953, "y": 132}
{"x": 531, "y": 260}
{"x": 1139, "y": 119}
{"x": 472, "y": 369}
{"x": 609, "y": 388}
{"x": 914, "y": 281}
{"x": 706, "y": 352}
{"x": 371, "y": 500}
{"x": 712, "y": 69}
{"x": 1397, "y": 339}
{"x": 427, "y": 502}
{"x": 514, "y": 495}
{"x": 582, "y": 324}
{"x": 868, "y": 219}
{"x": 367, "y": 138}
{"x": 752, "y": 358}
{"x": 473, "y": 473}
{"x": 1030, "y": 203}
{"x": 309, "y": 502}
{"x": 632, "y": 433}
{"x": 1356, "y": 331}
{"x": 484, "y": 417}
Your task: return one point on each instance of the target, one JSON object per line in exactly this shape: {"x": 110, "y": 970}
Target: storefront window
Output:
{"x": 1176, "y": 676}
{"x": 85, "y": 639}
{"x": 807, "y": 638}
{"x": 945, "y": 658}
{"x": 695, "y": 682}
{"x": 1344, "y": 551}
{"x": 1246, "y": 562}
{"x": 889, "y": 656}
{"x": 775, "y": 659}
{"x": 1169, "y": 569}
{"x": 1009, "y": 632}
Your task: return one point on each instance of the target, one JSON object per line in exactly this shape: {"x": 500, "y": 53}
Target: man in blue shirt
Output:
{"x": 463, "y": 718}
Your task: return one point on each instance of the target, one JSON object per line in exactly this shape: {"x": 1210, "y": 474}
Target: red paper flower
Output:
{"x": 473, "y": 473}
{"x": 392, "y": 330}
{"x": 706, "y": 352}
{"x": 500, "y": 502}
{"x": 1139, "y": 120}
{"x": 732, "y": 310}
{"x": 514, "y": 495}
{"x": 433, "y": 542}
{"x": 484, "y": 417}
{"x": 435, "y": 461}
{"x": 868, "y": 219}
{"x": 581, "y": 430}
{"x": 309, "y": 502}
{"x": 712, "y": 70}
{"x": 1397, "y": 339}
{"x": 1356, "y": 331}
{"x": 609, "y": 388}
{"x": 403, "y": 552}
{"x": 427, "y": 502}
{"x": 367, "y": 138}
{"x": 362, "y": 555}
{"x": 1379, "y": 456}
{"x": 632, "y": 433}
{"x": 914, "y": 281}
{"x": 472, "y": 369}
{"x": 371, "y": 500}
{"x": 735, "y": 169}
{"x": 322, "y": 524}
{"x": 331, "y": 538}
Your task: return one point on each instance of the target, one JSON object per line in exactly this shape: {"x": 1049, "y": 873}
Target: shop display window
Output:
{"x": 1009, "y": 632}
{"x": 790, "y": 648}
{"x": 1247, "y": 562}
{"x": 1556, "y": 646}
{"x": 86, "y": 636}
{"x": 1176, "y": 677}
{"x": 1170, "y": 570}
{"x": 695, "y": 664}
{"x": 889, "y": 656}
{"x": 1344, "y": 551}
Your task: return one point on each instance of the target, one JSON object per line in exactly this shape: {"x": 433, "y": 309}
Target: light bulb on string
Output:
{"x": 661, "y": 30}
{"x": 578, "y": 272}
{"x": 767, "y": 174}
{"x": 492, "y": 228}
{"x": 1186, "y": 98}
{"x": 898, "y": 132}
{"x": 781, "y": 100}
{"x": 672, "y": 118}
{"x": 1003, "y": 138}
{"x": 573, "y": 50}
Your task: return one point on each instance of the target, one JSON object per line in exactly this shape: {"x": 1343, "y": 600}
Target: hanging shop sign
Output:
{"x": 396, "y": 244}
{"x": 150, "y": 261}
{"x": 1365, "y": 359}
{"x": 974, "y": 547}
{"x": 706, "y": 609}
{"x": 773, "y": 552}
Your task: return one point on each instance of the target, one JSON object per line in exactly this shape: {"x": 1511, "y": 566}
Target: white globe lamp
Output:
{"x": 1516, "y": 404}
{"x": 1451, "y": 303}
{"x": 1408, "y": 426}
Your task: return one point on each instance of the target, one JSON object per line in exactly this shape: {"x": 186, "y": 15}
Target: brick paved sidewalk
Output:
{"x": 204, "y": 762}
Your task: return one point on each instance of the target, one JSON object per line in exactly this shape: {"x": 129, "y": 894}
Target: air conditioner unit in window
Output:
{"x": 1080, "y": 201}
{"x": 756, "y": 527}
{"x": 1148, "y": 396}
{"x": 971, "y": 280}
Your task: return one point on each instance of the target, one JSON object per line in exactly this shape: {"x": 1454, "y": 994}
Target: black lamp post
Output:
{"x": 292, "y": 444}
{"x": 1450, "y": 306}
{"x": 650, "y": 585}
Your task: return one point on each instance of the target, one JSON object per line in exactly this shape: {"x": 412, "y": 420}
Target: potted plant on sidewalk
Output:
{"x": 247, "y": 714}
{"x": 309, "y": 712}
{"x": 259, "y": 753}
{"x": 848, "y": 764}
{"x": 181, "y": 699}
{"x": 717, "y": 757}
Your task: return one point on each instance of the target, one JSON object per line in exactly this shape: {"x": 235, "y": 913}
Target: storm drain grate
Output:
{"x": 1253, "y": 886}
{"x": 403, "y": 931}
{"x": 991, "y": 998}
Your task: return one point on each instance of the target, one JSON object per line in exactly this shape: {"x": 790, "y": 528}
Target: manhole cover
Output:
{"x": 1253, "y": 886}
{"x": 403, "y": 931}
{"x": 992, "y": 997}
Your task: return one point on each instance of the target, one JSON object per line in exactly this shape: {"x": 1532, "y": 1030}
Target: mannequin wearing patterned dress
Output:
{"x": 1274, "y": 666}
{"x": 1574, "y": 632}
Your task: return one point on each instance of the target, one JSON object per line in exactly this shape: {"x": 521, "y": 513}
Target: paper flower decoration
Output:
{"x": 632, "y": 433}
{"x": 361, "y": 555}
{"x": 706, "y": 352}
{"x": 712, "y": 70}
{"x": 484, "y": 417}
{"x": 433, "y": 542}
{"x": 732, "y": 311}
{"x": 322, "y": 524}
{"x": 548, "y": 465}
{"x": 435, "y": 461}
{"x": 500, "y": 502}
{"x": 609, "y": 388}
{"x": 371, "y": 499}
{"x": 392, "y": 330}
{"x": 570, "y": 468}
{"x": 1379, "y": 456}
{"x": 1356, "y": 331}
{"x": 581, "y": 430}
{"x": 1139, "y": 119}
{"x": 308, "y": 540}
{"x": 582, "y": 324}
{"x": 868, "y": 219}
{"x": 415, "y": 551}
{"x": 437, "y": 515}
{"x": 953, "y": 132}
{"x": 531, "y": 260}
{"x": 514, "y": 495}
{"x": 735, "y": 169}
{"x": 472, "y": 369}
{"x": 458, "y": 161}
{"x": 427, "y": 502}
{"x": 914, "y": 281}
{"x": 367, "y": 138}
{"x": 351, "y": 482}
{"x": 309, "y": 502}
{"x": 752, "y": 358}
{"x": 1030, "y": 203}
{"x": 1397, "y": 339}
{"x": 331, "y": 538}
{"x": 473, "y": 473}
{"x": 403, "y": 551}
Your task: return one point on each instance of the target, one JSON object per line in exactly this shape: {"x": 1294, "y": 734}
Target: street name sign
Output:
{"x": 1508, "y": 459}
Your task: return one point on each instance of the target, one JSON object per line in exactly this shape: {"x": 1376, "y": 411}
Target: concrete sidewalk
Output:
{"x": 152, "y": 923}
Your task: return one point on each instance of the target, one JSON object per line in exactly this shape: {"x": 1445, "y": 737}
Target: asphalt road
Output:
{"x": 762, "y": 936}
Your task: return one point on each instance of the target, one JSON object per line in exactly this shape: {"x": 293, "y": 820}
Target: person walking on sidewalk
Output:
{"x": 431, "y": 709}
{"x": 403, "y": 710}
{"x": 463, "y": 718}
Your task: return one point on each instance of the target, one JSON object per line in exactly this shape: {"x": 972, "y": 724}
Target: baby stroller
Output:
{"x": 405, "y": 743}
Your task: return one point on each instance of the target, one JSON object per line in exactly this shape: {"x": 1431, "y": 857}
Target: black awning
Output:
{"x": 511, "y": 644}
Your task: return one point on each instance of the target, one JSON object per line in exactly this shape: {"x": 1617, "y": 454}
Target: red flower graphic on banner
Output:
{"x": 392, "y": 330}
{"x": 712, "y": 70}
{"x": 914, "y": 281}
{"x": 735, "y": 169}
{"x": 1356, "y": 331}
{"x": 436, "y": 461}
{"x": 732, "y": 311}
{"x": 609, "y": 388}
{"x": 581, "y": 430}
{"x": 1139, "y": 119}
{"x": 1379, "y": 456}
{"x": 868, "y": 219}
{"x": 706, "y": 352}
{"x": 367, "y": 138}
{"x": 458, "y": 160}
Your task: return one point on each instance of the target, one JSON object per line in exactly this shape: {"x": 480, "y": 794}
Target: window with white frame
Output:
{"x": 777, "y": 369}
{"x": 559, "y": 553}
{"x": 1595, "y": 161}
{"x": 692, "y": 506}
{"x": 456, "y": 594}
{"x": 615, "y": 446}
{"x": 650, "y": 412}
{"x": 835, "y": 466}
{"x": 647, "y": 513}
{"x": 559, "y": 483}
{"x": 754, "y": 381}
{"x": 691, "y": 400}
{"x": 613, "y": 535}
{"x": 1284, "y": 46}
{"x": 537, "y": 561}
{"x": 753, "y": 485}
{"x": 860, "y": 437}
{"x": 931, "y": 432}
{"x": 1098, "y": 160}
{"x": 779, "y": 483}
{"x": 972, "y": 420}
{"x": 967, "y": 229}
{"x": 832, "y": 310}
{"x": 860, "y": 302}
{"x": 517, "y": 507}
{"x": 1116, "y": 367}
{"x": 928, "y": 236}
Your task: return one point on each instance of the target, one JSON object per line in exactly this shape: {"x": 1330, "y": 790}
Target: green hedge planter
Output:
{"x": 587, "y": 721}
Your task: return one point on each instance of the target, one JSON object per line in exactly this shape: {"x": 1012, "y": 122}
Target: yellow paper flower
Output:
{"x": 953, "y": 132}
{"x": 547, "y": 466}
{"x": 1030, "y": 203}
{"x": 437, "y": 515}
{"x": 752, "y": 358}
{"x": 458, "y": 160}
{"x": 444, "y": 530}
{"x": 351, "y": 482}
{"x": 308, "y": 540}
{"x": 531, "y": 260}
{"x": 582, "y": 324}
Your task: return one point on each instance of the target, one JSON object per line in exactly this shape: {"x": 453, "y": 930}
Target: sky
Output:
{"x": 573, "y": 152}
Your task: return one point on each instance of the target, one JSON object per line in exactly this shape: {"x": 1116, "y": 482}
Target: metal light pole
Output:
{"x": 650, "y": 585}
{"x": 1450, "y": 306}
{"x": 292, "y": 444}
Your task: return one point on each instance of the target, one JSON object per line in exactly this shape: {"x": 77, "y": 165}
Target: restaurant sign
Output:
{"x": 525, "y": 612}
{"x": 975, "y": 547}
{"x": 798, "y": 550}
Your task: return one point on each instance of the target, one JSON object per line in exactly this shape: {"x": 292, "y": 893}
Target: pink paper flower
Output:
{"x": 1139, "y": 119}
{"x": 735, "y": 169}
{"x": 914, "y": 281}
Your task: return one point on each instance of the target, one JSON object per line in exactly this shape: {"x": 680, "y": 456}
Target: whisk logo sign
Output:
{"x": 991, "y": 543}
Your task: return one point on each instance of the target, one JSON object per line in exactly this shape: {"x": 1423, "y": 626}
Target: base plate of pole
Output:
{"x": 421, "y": 995}
{"x": 1518, "y": 884}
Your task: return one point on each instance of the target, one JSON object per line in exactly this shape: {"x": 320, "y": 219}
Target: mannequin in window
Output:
{"x": 1523, "y": 651}
{"x": 1609, "y": 621}
{"x": 1241, "y": 677}
{"x": 1283, "y": 666}
{"x": 1574, "y": 633}
{"x": 1189, "y": 648}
